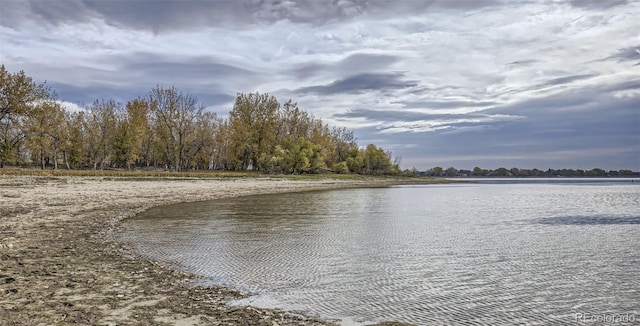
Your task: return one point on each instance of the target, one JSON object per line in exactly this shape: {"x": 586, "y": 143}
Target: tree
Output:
{"x": 451, "y": 172}
{"x": 410, "y": 173}
{"x": 44, "y": 127}
{"x": 73, "y": 149}
{"x": 340, "y": 167}
{"x": 293, "y": 123}
{"x": 344, "y": 141}
{"x": 597, "y": 172}
{"x": 437, "y": 171}
{"x": 307, "y": 157}
{"x": 100, "y": 126}
{"x": 58, "y": 133}
{"x": 502, "y": 172}
{"x": 479, "y": 172}
{"x": 222, "y": 146}
{"x": 18, "y": 95}
{"x": 170, "y": 129}
{"x": 355, "y": 161}
{"x": 174, "y": 114}
{"x": 201, "y": 151}
{"x": 252, "y": 123}
{"x": 11, "y": 137}
{"x": 376, "y": 160}
{"x": 131, "y": 128}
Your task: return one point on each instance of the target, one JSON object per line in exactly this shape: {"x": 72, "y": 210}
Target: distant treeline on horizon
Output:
{"x": 515, "y": 172}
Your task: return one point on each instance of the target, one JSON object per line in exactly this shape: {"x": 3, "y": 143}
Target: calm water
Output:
{"x": 477, "y": 254}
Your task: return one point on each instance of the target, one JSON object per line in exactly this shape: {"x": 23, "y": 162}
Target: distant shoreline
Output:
{"x": 61, "y": 262}
{"x": 462, "y": 179}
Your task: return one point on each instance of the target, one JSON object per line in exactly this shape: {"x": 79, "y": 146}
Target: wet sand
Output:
{"x": 60, "y": 264}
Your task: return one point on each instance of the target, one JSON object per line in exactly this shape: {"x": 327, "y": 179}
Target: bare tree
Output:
{"x": 174, "y": 114}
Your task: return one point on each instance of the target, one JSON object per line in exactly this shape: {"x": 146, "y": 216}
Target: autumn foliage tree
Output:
{"x": 252, "y": 123}
{"x": 43, "y": 133}
{"x": 19, "y": 94}
{"x": 168, "y": 129}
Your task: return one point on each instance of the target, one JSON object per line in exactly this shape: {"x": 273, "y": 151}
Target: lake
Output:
{"x": 479, "y": 253}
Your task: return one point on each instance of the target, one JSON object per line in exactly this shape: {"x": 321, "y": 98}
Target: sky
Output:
{"x": 464, "y": 83}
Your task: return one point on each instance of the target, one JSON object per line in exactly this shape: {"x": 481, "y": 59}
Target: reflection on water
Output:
{"x": 476, "y": 253}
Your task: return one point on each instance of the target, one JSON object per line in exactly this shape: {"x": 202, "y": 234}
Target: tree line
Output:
{"x": 515, "y": 172}
{"x": 171, "y": 130}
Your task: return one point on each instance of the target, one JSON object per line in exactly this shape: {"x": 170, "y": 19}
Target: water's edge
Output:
{"x": 114, "y": 231}
{"x": 207, "y": 280}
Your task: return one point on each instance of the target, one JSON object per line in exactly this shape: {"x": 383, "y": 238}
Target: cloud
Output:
{"x": 84, "y": 96}
{"x": 123, "y": 77}
{"x": 70, "y": 106}
{"x": 359, "y": 83}
{"x": 446, "y": 104}
{"x": 152, "y": 64}
{"x": 597, "y": 4}
{"x": 184, "y": 70}
{"x": 473, "y": 79}
{"x": 164, "y": 16}
{"x": 352, "y": 64}
{"x": 566, "y": 80}
{"x": 390, "y": 122}
{"x": 584, "y": 128}
{"x": 15, "y": 14}
{"x": 411, "y": 116}
{"x": 631, "y": 53}
{"x": 74, "y": 96}
{"x": 527, "y": 62}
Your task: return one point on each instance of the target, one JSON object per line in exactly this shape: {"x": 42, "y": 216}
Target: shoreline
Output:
{"x": 60, "y": 261}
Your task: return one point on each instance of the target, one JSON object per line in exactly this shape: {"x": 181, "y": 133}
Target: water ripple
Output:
{"x": 471, "y": 255}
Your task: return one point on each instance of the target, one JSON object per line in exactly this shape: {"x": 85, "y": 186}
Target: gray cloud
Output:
{"x": 352, "y": 64}
{"x": 127, "y": 76}
{"x": 597, "y": 4}
{"x": 16, "y": 13}
{"x": 86, "y": 95}
{"x": 408, "y": 116}
{"x": 139, "y": 14}
{"x": 620, "y": 86}
{"x": 359, "y": 83}
{"x": 56, "y": 11}
{"x": 360, "y": 61}
{"x": 427, "y": 90}
{"x": 549, "y": 83}
{"x": 580, "y": 101}
{"x": 388, "y": 115}
{"x": 444, "y": 104}
{"x": 193, "y": 69}
{"x": 584, "y": 128}
{"x": 411, "y": 121}
{"x": 631, "y": 53}
{"x": 161, "y": 16}
{"x": 525, "y": 62}
{"x": 566, "y": 80}
{"x": 406, "y": 69}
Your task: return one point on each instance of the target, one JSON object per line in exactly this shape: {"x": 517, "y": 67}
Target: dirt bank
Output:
{"x": 59, "y": 263}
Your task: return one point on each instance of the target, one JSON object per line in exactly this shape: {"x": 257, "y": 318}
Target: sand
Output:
{"x": 60, "y": 262}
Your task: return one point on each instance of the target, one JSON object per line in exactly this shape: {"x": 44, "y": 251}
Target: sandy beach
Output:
{"x": 60, "y": 264}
